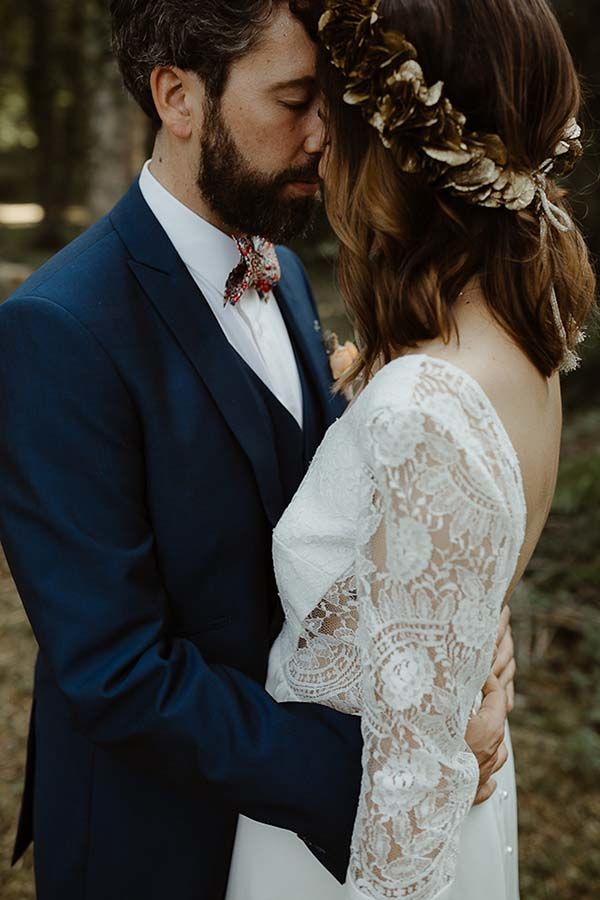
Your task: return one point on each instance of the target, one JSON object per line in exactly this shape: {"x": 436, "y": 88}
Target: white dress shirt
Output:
{"x": 254, "y": 328}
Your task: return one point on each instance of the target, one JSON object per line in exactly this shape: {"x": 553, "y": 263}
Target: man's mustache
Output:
{"x": 309, "y": 172}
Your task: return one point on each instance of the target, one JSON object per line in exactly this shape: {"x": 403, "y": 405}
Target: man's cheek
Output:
{"x": 269, "y": 148}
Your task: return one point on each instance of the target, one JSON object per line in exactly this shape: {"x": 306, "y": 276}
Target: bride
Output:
{"x": 468, "y": 284}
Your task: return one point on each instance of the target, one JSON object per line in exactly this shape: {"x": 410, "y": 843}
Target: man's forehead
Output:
{"x": 285, "y": 56}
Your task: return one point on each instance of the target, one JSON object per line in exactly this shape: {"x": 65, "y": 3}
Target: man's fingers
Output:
{"x": 510, "y": 696}
{"x": 505, "y": 652}
{"x": 485, "y": 792}
{"x": 492, "y": 715}
{"x": 503, "y": 626}
{"x": 507, "y": 674}
{"x": 487, "y": 769}
{"x": 501, "y": 757}
{"x": 505, "y": 667}
{"x": 494, "y": 698}
{"x": 492, "y": 684}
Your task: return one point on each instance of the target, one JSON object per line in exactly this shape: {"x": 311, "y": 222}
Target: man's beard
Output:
{"x": 245, "y": 200}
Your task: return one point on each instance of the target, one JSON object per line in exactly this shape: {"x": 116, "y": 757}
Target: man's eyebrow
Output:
{"x": 307, "y": 81}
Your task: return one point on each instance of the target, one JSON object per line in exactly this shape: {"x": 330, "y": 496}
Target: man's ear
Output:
{"x": 179, "y": 99}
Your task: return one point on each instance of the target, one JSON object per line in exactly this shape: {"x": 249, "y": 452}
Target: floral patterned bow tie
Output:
{"x": 258, "y": 268}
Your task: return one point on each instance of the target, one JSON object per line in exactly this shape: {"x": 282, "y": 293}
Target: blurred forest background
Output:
{"x": 70, "y": 143}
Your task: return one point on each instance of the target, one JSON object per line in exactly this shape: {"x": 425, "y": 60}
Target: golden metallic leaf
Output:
{"x": 418, "y": 123}
{"x": 451, "y": 157}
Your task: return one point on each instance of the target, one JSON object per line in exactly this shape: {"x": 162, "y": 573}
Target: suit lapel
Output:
{"x": 167, "y": 283}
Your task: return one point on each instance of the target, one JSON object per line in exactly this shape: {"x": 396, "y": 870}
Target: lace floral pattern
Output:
{"x": 325, "y": 667}
{"x": 404, "y": 636}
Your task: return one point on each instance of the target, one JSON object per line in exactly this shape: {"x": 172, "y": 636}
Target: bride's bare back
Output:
{"x": 528, "y": 404}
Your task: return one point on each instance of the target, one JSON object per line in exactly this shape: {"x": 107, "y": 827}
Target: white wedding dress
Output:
{"x": 392, "y": 563}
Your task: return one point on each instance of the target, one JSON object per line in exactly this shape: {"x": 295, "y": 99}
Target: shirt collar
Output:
{"x": 202, "y": 247}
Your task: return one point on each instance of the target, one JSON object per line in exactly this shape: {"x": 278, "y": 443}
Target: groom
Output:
{"x": 163, "y": 387}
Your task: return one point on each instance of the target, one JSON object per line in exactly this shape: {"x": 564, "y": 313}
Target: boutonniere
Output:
{"x": 341, "y": 357}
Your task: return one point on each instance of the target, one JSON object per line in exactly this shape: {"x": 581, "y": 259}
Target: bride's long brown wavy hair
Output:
{"x": 407, "y": 250}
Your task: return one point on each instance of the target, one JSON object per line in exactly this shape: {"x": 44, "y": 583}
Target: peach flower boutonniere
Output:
{"x": 341, "y": 357}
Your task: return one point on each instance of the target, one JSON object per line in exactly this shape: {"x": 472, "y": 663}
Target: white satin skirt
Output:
{"x": 272, "y": 864}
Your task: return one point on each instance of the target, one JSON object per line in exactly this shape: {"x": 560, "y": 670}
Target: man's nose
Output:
{"x": 315, "y": 139}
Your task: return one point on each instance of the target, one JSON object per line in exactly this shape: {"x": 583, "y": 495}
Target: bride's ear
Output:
{"x": 179, "y": 99}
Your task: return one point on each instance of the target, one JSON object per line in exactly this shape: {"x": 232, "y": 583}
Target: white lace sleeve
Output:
{"x": 435, "y": 553}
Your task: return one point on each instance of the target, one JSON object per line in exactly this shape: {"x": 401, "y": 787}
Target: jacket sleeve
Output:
{"x": 78, "y": 536}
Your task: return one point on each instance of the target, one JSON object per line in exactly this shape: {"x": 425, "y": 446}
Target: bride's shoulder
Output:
{"x": 421, "y": 382}
{"x": 419, "y": 396}
{"x": 412, "y": 398}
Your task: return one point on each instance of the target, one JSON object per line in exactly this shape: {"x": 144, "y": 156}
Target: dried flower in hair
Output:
{"x": 418, "y": 123}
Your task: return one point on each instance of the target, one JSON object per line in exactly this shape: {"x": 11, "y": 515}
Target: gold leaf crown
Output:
{"x": 419, "y": 124}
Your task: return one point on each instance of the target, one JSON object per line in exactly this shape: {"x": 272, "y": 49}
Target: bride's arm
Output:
{"x": 434, "y": 555}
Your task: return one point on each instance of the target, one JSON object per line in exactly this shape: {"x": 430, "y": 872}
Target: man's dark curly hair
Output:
{"x": 309, "y": 12}
{"x": 202, "y": 36}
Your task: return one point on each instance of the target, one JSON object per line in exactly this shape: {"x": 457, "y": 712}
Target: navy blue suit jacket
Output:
{"x": 138, "y": 490}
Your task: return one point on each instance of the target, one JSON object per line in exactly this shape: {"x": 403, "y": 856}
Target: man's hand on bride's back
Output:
{"x": 485, "y": 734}
{"x": 504, "y": 660}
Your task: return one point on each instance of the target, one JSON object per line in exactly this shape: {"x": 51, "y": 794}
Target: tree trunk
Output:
{"x": 42, "y": 85}
{"x": 77, "y": 84}
{"x": 119, "y": 130}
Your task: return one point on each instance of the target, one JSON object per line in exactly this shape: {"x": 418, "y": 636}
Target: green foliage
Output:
{"x": 583, "y": 754}
{"x": 578, "y": 488}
